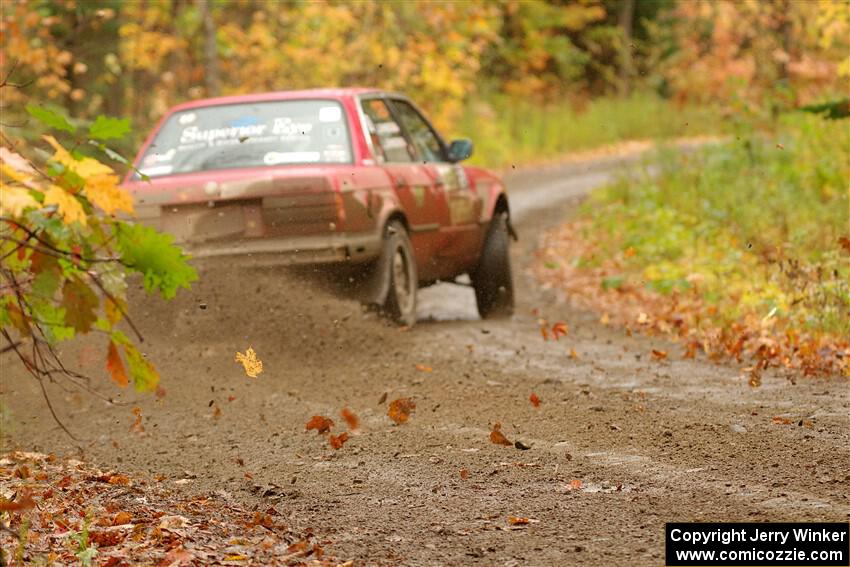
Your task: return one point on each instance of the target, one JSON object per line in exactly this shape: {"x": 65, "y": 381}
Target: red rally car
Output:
{"x": 355, "y": 177}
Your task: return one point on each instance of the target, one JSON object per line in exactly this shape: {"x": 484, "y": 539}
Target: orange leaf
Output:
{"x": 497, "y": 437}
{"x": 535, "y": 401}
{"x": 575, "y": 484}
{"x": 424, "y": 368}
{"x": 115, "y": 366}
{"x": 573, "y": 354}
{"x": 779, "y": 420}
{"x": 352, "y": 420}
{"x": 844, "y": 242}
{"x": 320, "y": 423}
{"x": 122, "y": 518}
{"x": 659, "y": 354}
{"x": 464, "y": 474}
{"x": 339, "y": 440}
{"x": 691, "y": 350}
{"x": 514, "y": 521}
{"x": 544, "y": 332}
{"x": 560, "y": 329}
{"x": 23, "y": 503}
{"x": 400, "y": 409}
{"x": 297, "y": 547}
{"x": 629, "y": 252}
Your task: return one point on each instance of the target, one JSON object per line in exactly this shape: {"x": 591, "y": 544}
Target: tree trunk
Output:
{"x": 627, "y": 13}
{"x": 211, "y": 77}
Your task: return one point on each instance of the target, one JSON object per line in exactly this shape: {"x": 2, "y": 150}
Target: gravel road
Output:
{"x": 650, "y": 441}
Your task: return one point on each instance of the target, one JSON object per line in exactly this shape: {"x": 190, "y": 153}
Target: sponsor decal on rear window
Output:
{"x": 250, "y": 135}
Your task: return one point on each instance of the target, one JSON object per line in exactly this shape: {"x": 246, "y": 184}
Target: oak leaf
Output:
{"x": 320, "y": 423}
{"x": 400, "y": 410}
{"x": 350, "y": 418}
{"x": 337, "y": 441}
{"x": 560, "y": 329}
{"x": 497, "y": 437}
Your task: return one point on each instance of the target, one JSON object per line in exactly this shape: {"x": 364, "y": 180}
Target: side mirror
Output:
{"x": 460, "y": 150}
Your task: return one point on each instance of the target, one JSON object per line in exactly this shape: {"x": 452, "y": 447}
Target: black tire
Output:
{"x": 492, "y": 280}
{"x": 396, "y": 276}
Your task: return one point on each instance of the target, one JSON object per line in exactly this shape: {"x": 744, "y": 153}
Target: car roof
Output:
{"x": 277, "y": 95}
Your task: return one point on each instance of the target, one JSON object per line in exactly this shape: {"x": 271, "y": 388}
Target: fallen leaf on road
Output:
{"x": 573, "y": 354}
{"x": 755, "y": 377}
{"x": 691, "y": 350}
{"x": 252, "y": 365}
{"x": 560, "y": 329}
{"x": 464, "y": 474}
{"x": 382, "y": 399}
{"x": 23, "y": 503}
{"x": 497, "y": 437}
{"x": 535, "y": 401}
{"x": 544, "y": 332}
{"x": 659, "y": 354}
{"x": 400, "y": 409}
{"x": 575, "y": 484}
{"x": 320, "y": 423}
{"x": 779, "y": 420}
{"x": 137, "y": 426}
{"x": 515, "y": 521}
{"x": 339, "y": 440}
{"x": 605, "y": 319}
{"x": 424, "y": 368}
{"x": 122, "y": 518}
{"x": 352, "y": 420}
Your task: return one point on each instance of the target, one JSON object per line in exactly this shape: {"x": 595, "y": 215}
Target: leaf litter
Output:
{"x": 131, "y": 521}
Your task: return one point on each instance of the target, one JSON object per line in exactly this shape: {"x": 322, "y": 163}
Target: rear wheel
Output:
{"x": 492, "y": 279}
{"x": 396, "y": 273}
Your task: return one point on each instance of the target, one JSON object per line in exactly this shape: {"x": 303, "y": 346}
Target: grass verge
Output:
{"x": 510, "y": 132}
{"x": 741, "y": 250}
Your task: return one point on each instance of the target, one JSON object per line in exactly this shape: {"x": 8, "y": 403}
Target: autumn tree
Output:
{"x": 67, "y": 248}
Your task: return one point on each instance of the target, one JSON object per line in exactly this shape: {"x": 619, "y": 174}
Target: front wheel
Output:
{"x": 396, "y": 270}
{"x": 492, "y": 280}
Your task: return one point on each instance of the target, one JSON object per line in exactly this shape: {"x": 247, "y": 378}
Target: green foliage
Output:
{"x": 105, "y": 128}
{"x": 50, "y": 118}
{"x": 508, "y": 132}
{"x": 756, "y": 222}
{"x": 154, "y": 255}
{"x": 65, "y": 254}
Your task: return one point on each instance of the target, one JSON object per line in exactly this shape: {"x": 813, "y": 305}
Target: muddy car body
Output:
{"x": 350, "y": 177}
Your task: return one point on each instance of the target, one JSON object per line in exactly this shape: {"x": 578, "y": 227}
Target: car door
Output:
{"x": 424, "y": 205}
{"x": 460, "y": 227}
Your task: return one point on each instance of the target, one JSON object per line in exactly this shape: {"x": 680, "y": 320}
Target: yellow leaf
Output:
{"x": 252, "y": 365}
{"x": 85, "y": 168}
{"x": 103, "y": 191}
{"x": 14, "y": 200}
{"x": 69, "y": 207}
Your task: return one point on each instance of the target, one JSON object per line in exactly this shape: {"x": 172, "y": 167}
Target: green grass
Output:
{"x": 756, "y": 222}
{"x": 510, "y": 132}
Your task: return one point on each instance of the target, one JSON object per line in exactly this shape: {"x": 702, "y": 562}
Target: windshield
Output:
{"x": 249, "y": 135}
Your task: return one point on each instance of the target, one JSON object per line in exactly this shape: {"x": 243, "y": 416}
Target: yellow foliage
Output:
{"x": 14, "y": 200}
{"x": 69, "y": 208}
{"x": 85, "y": 167}
{"x": 103, "y": 191}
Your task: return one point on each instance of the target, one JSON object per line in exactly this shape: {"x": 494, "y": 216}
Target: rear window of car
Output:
{"x": 256, "y": 134}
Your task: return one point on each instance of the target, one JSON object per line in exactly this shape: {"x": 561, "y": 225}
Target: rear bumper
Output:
{"x": 319, "y": 249}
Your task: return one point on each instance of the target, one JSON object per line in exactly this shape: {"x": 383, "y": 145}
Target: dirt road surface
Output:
{"x": 650, "y": 441}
